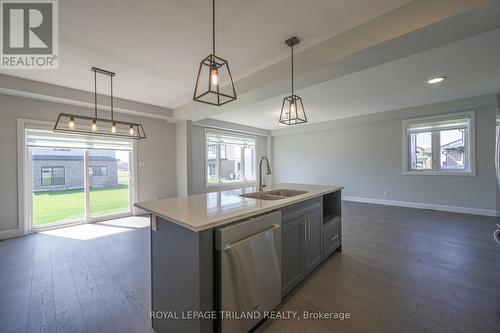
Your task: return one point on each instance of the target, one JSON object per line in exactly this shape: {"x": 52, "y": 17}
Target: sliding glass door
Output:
{"x": 57, "y": 185}
{"x": 108, "y": 182}
{"x": 77, "y": 178}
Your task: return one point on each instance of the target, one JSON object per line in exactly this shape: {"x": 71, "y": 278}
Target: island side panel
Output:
{"x": 181, "y": 276}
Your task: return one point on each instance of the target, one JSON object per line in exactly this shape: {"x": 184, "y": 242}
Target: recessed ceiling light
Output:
{"x": 435, "y": 80}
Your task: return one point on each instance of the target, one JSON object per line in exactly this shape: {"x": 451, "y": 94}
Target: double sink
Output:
{"x": 277, "y": 194}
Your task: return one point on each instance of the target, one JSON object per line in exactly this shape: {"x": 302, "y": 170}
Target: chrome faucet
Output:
{"x": 268, "y": 172}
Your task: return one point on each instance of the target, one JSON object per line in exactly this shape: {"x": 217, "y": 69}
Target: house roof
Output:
{"x": 71, "y": 158}
{"x": 454, "y": 145}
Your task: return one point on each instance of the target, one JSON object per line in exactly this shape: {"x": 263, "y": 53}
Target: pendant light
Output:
{"x": 214, "y": 84}
{"x": 292, "y": 108}
{"x": 72, "y": 123}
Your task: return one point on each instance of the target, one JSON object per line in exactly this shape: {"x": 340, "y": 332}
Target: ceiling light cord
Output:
{"x": 95, "y": 94}
{"x": 213, "y": 27}
{"x": 292, "y": 69}
{"x": 112, "y": 117}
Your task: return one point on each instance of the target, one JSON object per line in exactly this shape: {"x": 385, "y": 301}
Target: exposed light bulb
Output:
{"x": 71, "y": 124}
{"x": 113, "y": 128}
{"x": 94, "y": 125}
{"x": 292, "y": 107}
{"x": 131, "y": 130}
{"x": 214, "y": 76}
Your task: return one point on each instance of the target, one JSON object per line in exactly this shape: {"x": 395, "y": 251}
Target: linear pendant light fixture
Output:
{"x": 72, "y": 123}
{"x": 214, "y": 74}
{"x": 292, "y": 109}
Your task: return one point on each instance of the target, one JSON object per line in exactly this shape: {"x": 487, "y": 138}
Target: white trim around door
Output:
{"x": 25, "y": 209}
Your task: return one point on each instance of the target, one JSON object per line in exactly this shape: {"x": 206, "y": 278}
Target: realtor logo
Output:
{"x": 29, "y": 34}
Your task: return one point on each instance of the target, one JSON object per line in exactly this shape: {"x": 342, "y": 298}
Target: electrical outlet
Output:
{"x": 142, "y": 164}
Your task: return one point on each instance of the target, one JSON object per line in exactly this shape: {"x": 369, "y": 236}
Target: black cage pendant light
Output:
{"x": 72, "y": 123}
{"x": 292, "y": 109}
{"x": 214, "y": 84}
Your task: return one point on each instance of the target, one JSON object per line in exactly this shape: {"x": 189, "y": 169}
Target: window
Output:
{"x": 52, "y": 176}
{"x": 230, "y": 158}
{"x": 98, "y": 171}
{"x": 439, "y": 145}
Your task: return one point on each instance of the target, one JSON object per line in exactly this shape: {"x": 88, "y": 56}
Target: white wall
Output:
{"x": 181, "y": 157}
{"x": 364, "y": 154}
{"x": 157, "y": 179}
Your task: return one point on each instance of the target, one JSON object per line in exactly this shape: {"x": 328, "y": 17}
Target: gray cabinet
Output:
{"x": 305, "y": 240}
{"x": 292, "y": 268}
{"x": 313, "y": 241}
{"x": 301, "y": 248}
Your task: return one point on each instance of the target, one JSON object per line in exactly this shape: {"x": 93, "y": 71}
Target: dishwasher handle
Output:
{"x": 230, "y": 245}
{"x": 496, "y": 236}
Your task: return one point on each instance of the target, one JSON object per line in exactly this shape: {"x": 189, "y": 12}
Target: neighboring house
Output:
{"x": 424, "y": 158}
{"x": 453, "y": 155}
{"x": 65, "y": 171}
{"x": 230, "y": 167}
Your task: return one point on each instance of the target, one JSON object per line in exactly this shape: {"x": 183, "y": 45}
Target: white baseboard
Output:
{"x": 9, "y": 233}
{"x": 444, "y": 208}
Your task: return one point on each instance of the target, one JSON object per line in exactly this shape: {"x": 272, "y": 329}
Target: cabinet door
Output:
{"x": 292, "y": 245}
{"x": 313, "y": 242}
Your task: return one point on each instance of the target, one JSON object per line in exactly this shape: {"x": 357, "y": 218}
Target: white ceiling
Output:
{"x": 155, "y": 46}
{"x": 471, "y": 65}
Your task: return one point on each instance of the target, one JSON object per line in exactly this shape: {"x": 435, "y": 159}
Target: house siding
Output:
{"x": 73, "y": 173}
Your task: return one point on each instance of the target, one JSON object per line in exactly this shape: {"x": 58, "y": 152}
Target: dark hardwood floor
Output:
{"x": 401, "y": 270}
{"x": 89, "y": 278}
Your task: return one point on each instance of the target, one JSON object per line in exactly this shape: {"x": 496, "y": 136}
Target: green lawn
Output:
{"x": 56, "y": 206}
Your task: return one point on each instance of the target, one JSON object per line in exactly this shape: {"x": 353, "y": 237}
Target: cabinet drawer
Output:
{"x": 332, "y": 236}
{"x": 291, "y": 212}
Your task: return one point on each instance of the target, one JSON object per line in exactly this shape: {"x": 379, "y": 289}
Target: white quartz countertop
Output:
{"x": 208, "y": 210}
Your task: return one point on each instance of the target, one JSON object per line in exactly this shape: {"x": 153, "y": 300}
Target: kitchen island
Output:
{"x": 197, "y": 271}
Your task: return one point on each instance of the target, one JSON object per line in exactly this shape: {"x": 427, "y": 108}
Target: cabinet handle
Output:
{"x": 334, "y": 237}
{"x": 309, "y": 226}
{"x": 305, "y": 231}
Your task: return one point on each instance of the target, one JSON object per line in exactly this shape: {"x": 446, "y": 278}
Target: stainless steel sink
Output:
{"x": 286, "y": 193}
{"x": 273, "y": 194}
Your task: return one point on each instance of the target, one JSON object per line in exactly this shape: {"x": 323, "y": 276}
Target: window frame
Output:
{"x": 52, "y": 176}
{"x": 220, "y": 184}
{"x": 470, "y": 156}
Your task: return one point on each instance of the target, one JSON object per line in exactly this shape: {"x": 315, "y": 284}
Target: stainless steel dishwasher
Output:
{"x": 249, "y": 269}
